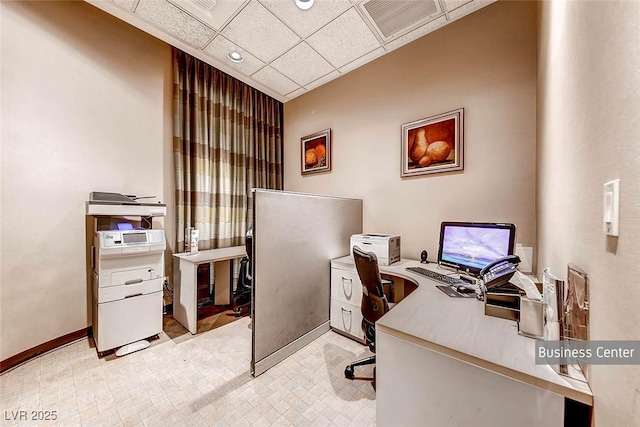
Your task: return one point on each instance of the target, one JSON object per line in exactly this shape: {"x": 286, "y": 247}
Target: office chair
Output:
{"x": 374, "y": 305}
{"x": 242, "y": 294}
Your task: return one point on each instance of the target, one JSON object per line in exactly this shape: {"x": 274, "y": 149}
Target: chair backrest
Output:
{"x": 374, "y": 302}
{"x": 248, "y": 243}
{"x": 245, "y": 275}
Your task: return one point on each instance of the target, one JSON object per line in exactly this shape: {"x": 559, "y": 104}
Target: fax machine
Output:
{"x": 385, "y": 246}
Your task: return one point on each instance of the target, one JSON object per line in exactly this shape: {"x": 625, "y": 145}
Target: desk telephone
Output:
{"x": 500, "y": 271}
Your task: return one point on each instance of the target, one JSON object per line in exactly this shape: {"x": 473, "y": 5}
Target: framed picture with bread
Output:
{"x": 316, "y": 152}
{"x": 433, "y": 145}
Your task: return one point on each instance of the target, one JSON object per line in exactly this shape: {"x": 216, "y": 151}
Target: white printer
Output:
{"x": 385, "y": 246}
{"x": 127, "y": 288}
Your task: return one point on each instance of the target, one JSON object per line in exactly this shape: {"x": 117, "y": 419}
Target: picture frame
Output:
{"x": 434, "y": 144}
{"x": 315, "y": 152}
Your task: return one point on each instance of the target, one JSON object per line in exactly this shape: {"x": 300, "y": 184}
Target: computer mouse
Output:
{"x": 465, "y": 289}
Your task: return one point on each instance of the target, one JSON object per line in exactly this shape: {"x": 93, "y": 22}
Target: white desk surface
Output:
{"x": 209, "y": 255}
{"x": 458, "y": 327}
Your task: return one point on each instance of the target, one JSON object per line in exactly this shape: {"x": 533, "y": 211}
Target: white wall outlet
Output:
{"x": 611, "y": 208}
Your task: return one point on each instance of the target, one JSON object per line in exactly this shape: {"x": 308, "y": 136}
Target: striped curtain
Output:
{"x": 227, "y": 140}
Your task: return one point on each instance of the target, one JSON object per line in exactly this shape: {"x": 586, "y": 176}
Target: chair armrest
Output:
{"x": 390, "y": 289}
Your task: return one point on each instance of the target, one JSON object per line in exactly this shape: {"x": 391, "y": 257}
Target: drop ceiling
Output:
{"x": 287, "y": 51}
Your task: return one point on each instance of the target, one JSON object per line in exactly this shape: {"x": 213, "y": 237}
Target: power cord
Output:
{"x": 167, "y": 292}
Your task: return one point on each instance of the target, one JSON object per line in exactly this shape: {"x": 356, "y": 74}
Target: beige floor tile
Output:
{"x": 196, "y": 381}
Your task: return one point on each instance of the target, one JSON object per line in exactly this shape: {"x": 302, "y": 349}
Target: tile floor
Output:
{"x": 200, "y": 380}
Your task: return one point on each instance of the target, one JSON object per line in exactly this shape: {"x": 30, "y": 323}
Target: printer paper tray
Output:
{"x": 114, "y": 293}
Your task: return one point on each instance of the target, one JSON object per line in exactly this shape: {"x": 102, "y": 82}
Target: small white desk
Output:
{"x": 185, "y": 294}
{"x": 441, "y": 361}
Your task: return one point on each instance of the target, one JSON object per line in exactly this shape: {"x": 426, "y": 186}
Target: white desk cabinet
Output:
{"x": 445, "y": 363}
{"x": 346, "y": 297}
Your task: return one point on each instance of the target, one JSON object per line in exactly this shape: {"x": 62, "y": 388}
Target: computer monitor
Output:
{"x": 470, "y": 246}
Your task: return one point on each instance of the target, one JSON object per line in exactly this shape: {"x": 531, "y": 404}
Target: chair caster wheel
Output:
{"x": 348, "y": 373}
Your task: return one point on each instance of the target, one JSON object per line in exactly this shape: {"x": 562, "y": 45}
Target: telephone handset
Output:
{"x": 499, "y": 271}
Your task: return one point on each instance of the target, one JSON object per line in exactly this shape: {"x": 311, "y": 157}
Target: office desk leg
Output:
{"x": 223, "y": 282}
{"x": 185, "y": 297}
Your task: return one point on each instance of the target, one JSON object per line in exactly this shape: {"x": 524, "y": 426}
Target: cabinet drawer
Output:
{"x": 346, "y": 317}
{"x": 345, "y": 285}
{"x": 128, "y": 320}
{"x": 113, "y": 293}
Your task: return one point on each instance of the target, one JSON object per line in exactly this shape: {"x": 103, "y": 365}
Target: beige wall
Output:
{"x": 486, "y": 63}
{"x": 86, "y": 103}
{"x": 588, "y": 134}
{"x": 86, "y": 107}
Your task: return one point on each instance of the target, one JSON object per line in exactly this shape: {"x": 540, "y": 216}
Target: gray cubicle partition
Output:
{"x": 295, "y": 236}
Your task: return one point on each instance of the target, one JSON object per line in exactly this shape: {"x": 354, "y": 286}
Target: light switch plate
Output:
{"x": 611, "y": 208}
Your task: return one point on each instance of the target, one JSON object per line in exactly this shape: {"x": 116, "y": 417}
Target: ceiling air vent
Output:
{"x": 215, "y": 13}
{"x": 197, "y": 7}
{"x": 393, "y": 18}
{"x": 207, "y": 5}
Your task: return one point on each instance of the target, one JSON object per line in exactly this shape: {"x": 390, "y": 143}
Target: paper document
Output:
{"x": 526, "y": 284}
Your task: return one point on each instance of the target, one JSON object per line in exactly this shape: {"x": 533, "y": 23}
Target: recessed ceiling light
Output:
{"x": 304, "y": 4}
{"x": 236, "y": 56}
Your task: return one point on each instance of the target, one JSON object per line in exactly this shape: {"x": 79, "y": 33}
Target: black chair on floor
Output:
{"x": 374, "y": 305}
{"x": 242, "y": 294}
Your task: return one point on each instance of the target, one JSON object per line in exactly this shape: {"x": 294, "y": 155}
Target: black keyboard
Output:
{"x": 435, "y": 276}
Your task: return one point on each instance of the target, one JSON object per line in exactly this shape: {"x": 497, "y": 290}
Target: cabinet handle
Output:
{"x": 133, "y": 296}
{"x": 133, "y": 281}
{"x": 350, "y": 293}
{"x": 347, "y": 328}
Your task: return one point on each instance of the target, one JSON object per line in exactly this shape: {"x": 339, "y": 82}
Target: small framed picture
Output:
{"x": 433, "y": 145}
{"x": 316, "y": 152}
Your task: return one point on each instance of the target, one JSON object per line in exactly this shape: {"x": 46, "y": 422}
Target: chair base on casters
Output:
{"x": 243, "y": 310}
{"x": 242, "y": 305}
{"x": 348, "y": 371}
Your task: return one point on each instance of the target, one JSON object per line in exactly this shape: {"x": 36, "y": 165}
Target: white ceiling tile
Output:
{"x": 268, "y": 33}
{"x": 127, "y": 5}
{"x": 274, "y": 80}
{"x": 296, "y": 93}
{"x": 344, "y": 39}
{"x": 362, "y": 60}
{"x": 454, "y": 4}
{"x": 220, "y": 48}
{"x": 302, "y": 64}
{"x": 175, "y": 21}
{"x": 306, "y": 22}
{"x": 256, "y": 30}
{"x": 417, "y": 33}
{"x": 333, "y": 75}
{"x": 468, "y": 8}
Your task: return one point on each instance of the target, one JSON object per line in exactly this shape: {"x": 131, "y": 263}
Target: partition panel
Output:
{"x": 295, "y": 236}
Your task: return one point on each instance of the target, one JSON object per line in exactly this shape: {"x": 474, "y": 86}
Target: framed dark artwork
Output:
{"x": 316, "y": 152}
{"x": 433, "y": 144}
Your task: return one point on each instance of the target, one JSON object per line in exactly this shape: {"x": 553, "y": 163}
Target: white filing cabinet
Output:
{"x": 346, "y": 297}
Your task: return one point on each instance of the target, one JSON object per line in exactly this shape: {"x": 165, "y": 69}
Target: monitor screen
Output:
{"x": 470, "y": 246}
